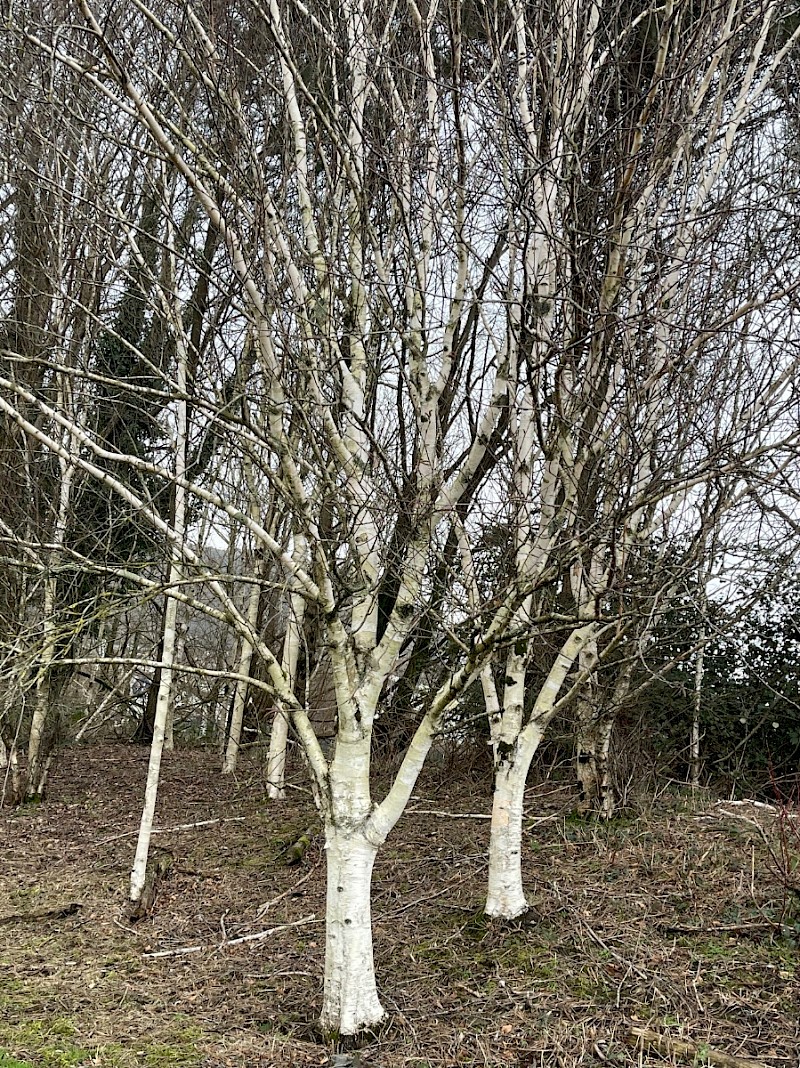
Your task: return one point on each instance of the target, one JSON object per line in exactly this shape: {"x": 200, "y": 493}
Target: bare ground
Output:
{"x": 673, "y": 919}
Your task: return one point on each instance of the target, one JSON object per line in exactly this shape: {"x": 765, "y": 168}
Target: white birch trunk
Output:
{"x": 12, "y": 787}
{"x": 178, "y": 658}
{"x": 164, "y": 696}
{"x": 139, "y": 870}
{"x": 506, "y": 897}
{"x": 350, "y": 1000}
{"x": 169, "y": 728}
{"x": 699, "y": 671}
{"x": 240, "y": 694}
{"x": 695, "y": 763}
{"x": 276, "y": 760}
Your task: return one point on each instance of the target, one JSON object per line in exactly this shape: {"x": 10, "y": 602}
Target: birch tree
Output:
{"x": 398, "y": 197}
{"x": 173, "y": 315}
{"x": 631, "y": 124}
{"x": 48, "y": 259}
{"x": 357, "y": 234}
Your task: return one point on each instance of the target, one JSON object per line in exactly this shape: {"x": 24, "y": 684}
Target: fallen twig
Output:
{"x": 448, "y": 815}
{"x": 59, "y": 913}
{"x": 749, "y": 802}
{"x": 262, "y": 909}
{"x": 722, "y": 928}
{"x": 761, "y": 806}
{"x": 177, "y": 827}
{"x": 604, "y": 945}
{"x": 232, "y": 941}
{"x": 699, "y": 1052}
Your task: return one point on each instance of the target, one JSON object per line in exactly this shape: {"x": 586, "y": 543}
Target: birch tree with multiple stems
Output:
{"x": 632, "y": 358}
{"x": 359, "y": 229}
{"x": 49, "y": 257}
{"x": 443, "y": 236}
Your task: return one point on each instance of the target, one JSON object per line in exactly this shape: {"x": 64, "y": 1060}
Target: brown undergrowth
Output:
{"x": 671, "y": 920}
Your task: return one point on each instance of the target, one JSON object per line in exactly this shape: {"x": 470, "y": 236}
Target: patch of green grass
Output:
{"x": 167, "y": 1055}
{"x": 15, "y": 997}
{"x": 260, "y": 861}
{"x": 178, "y": 1051}
{"x": 588, "y": 988}
{"x": 49, "y": 1044}
{"x": 52, "y": 1044}
{"x": 24, "y": 895}
{"x": 712, "y": 949}
{"x": 7, "y": 1061}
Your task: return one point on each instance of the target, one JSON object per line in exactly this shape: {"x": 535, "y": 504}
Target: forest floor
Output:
{"x": 672, "y": 920}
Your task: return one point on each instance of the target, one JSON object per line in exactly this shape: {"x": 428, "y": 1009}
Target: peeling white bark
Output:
{"x": 350, "y": 1000}
{"x": 506, "y": 896}
{"x": 515, "y": 750}
{"x": 276, "y": 758}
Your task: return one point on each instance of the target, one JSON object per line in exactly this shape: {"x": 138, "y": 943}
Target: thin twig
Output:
{"x": 448, "y": 815}
{"x": 233, "y": 941}
{"x": 292, "y": 889}
{"x": 595, "y": 937}
{"x": 723, "y": 928}
{"x": 177, "y": 827}
{"x": 699, "y": 1052}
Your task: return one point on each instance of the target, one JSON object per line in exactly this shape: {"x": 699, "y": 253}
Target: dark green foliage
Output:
{"x": 750, "y": 708}
{"x": 130, "y": 359}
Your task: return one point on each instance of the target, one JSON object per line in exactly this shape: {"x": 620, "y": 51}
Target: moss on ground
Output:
{"x": 55, "y": 1043}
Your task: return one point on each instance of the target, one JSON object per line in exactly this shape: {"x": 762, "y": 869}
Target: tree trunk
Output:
{"x": 13, "y": 782}
{"x": 276, "y": 761}
{"x": 594, "y": 731}
{"x": 139, "y": 871}
{"x": 593, "y": 764}
{"x": 37, "y": 757}
{"x": 145, "y": 728}
{"x": 41, "y": 725}
{"x": 350, "y": 1000}
{"x": 506, "y": 897}
{"x": 169, "y": 635}
{"x": 593, "y": 738}
{"x": 697, "y": 704}
{"x": 242, "y": 685}
{"x": 514, "y": 751}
